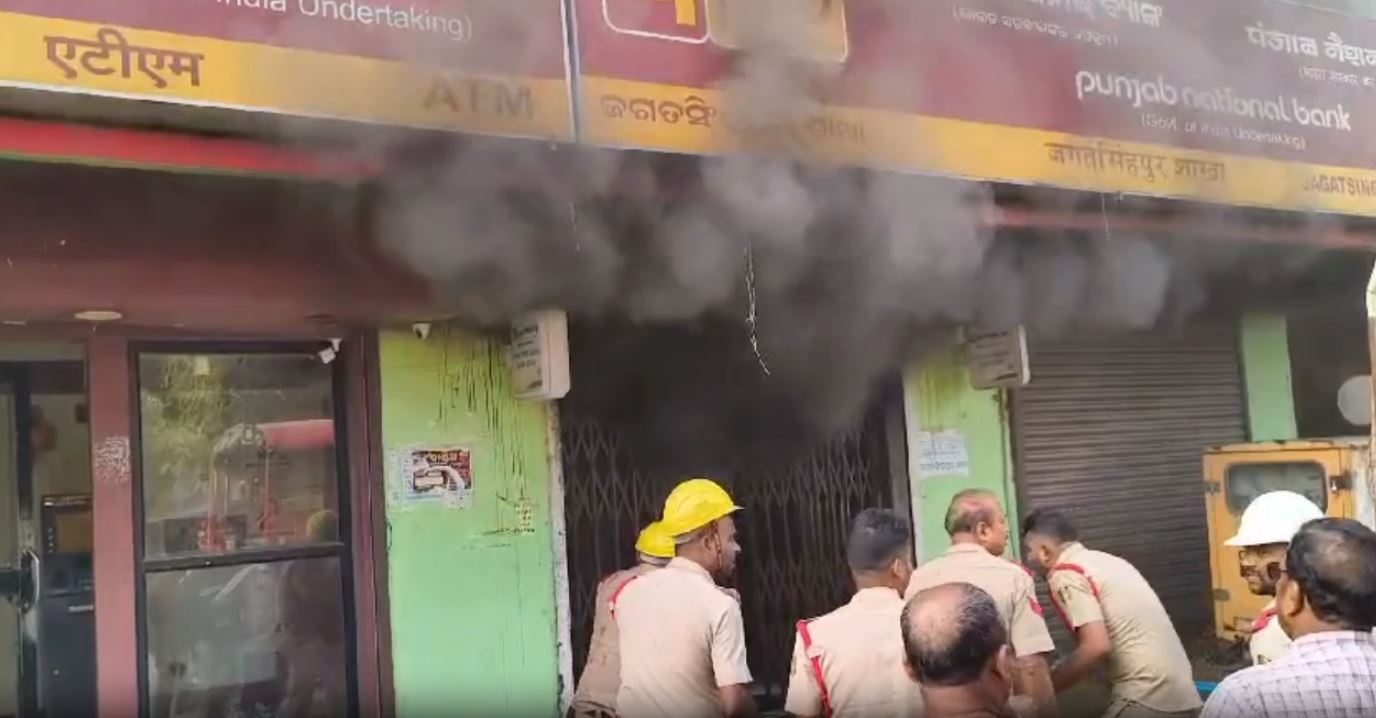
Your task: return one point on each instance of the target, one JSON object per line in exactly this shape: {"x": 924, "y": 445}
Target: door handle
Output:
{"x": 32, "y": 568}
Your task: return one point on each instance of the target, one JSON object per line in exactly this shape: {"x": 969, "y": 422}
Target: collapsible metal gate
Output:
{"x": 1112, "y": 429}
{"x": 606, "y": 502}
{"x": 793, "y": 529}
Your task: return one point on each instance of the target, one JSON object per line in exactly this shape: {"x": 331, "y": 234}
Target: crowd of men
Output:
{"x": 964, "y": 634}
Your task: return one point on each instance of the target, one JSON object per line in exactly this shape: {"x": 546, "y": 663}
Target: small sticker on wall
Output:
{"x": 437, "y": 475}
{"x": 942, "y": 453}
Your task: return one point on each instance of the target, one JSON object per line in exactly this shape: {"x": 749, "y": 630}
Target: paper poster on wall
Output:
{"x": 942, "y": 453}
{"x": 439, "y": 475}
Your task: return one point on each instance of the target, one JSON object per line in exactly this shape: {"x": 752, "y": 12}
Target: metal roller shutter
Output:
{"x": 1111, "y": 430}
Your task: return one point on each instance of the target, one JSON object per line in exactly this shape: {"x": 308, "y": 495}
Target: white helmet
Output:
{"x": 1273, "y": 518}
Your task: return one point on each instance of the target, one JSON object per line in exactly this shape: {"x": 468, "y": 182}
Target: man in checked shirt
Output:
{"x": 1326, "y": 602}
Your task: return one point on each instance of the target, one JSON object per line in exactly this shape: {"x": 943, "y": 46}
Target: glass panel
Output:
{"x": 60, "y": 437}
{"x": 1248, "y": 481}
{"x": 238, "y": 451}
{"x": 9, "y": 555}
{"x": 261, "y": 640}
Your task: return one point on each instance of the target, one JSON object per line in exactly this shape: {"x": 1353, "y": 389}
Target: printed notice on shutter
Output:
{"x": 942, "y": 453}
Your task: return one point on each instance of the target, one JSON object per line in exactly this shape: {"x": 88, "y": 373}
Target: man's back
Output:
{"x": 681, "y": 638}
{"x": 1148, "y": 663}
{"x": 1011, "y": 587}
{"x": 601, "y": 679}
{"x": 1323, "y": 675}
{"x": 860, "y": 652}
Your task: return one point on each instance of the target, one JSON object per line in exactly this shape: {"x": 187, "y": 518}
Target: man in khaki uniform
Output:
{"x": 682, "y": 637}
{"x": 601, "y": 679}
{"x": 849, "y": 663}
{"x": 978, "y": 528}
{"x": 1117, "y": 619}
{"x": 1263, "y": 536}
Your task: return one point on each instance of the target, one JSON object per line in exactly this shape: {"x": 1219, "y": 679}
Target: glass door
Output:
{"x": 47, "y": 611}
{"x": 16, "y": 578}
{"x": 245, "y": 556}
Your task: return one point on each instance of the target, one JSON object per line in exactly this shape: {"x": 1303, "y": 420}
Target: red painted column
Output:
{"x": 112, "y": 489}
{"x": 371, "y": 609}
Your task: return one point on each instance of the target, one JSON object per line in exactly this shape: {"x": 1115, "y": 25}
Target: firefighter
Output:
{"x": 1263, "y": 536}
{"x": 1118, "y": 622}
{"x": 682, "y": 636}
{"x": 978, "y": 528}
{"x": 850, "y": 661}
{"x": 601, "y": 679}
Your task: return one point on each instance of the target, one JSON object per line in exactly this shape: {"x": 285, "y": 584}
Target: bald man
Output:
{"x": 978, "y": 528}
{"x": 956, "y": 648}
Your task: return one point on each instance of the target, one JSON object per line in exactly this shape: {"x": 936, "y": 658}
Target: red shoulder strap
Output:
{"x": 617, "y": 593}
{"x": 1076, "y": 568}
{"x": 806, "y": 635}
{"x": 1264, "y": 619}
{"x": 1032, "y": 601}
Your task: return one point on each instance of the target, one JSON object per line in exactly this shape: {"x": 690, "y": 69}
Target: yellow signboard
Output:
{"x": 694, "y": 120}
{"x": 121, "y": 61}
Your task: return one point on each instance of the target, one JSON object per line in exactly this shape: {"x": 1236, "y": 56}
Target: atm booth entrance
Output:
{"x": 47, "y": 605}
{"x": 176, "y": 529}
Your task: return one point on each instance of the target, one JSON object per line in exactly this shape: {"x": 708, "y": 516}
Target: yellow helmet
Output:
{"x": 655, "y": 541}
{"x": 323, "y": 525}
{"x": 694, "y": 504}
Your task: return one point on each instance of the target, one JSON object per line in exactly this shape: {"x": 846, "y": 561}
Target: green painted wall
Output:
{"x": 1266, "y": 370}
{"x": 472, "y": 589}
{"x": 938, "y": 397}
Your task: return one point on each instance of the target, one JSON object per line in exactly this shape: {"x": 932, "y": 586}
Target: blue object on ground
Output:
{"x": 1205, "y": 688}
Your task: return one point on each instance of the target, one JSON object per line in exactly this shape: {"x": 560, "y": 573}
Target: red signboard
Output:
{"x": 1248, "y": 102}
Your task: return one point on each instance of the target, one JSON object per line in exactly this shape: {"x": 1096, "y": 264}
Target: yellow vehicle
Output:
{"x": 1330, "y": 472}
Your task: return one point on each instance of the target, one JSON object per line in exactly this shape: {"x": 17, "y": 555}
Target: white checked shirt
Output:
{"x": 1323, "y": 675}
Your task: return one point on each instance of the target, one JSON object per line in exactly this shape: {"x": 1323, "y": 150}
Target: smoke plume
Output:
{"x": 844, "y": 272}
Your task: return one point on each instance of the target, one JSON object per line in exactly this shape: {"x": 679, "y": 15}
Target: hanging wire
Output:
{"x": 751, "y": 323}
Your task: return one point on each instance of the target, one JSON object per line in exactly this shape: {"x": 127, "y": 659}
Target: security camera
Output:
{"x": 421, "y": 330}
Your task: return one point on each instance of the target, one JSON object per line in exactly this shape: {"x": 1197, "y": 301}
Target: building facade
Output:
{"x": 251, "y": 464}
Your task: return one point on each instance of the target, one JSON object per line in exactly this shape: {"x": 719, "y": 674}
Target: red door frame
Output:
{"x": 112, "y": 501}
{"x": 112, "y": 401}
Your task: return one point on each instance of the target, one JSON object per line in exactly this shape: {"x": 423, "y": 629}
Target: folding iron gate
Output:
{"x": 793, "y": 530}
{"x": 605, "y": 505}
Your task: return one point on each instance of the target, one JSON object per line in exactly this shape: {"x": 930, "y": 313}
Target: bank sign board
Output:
{"x": 1236, "y": 101}
{"x": 488, "y": 66}
{"x": 1252, "y": 102}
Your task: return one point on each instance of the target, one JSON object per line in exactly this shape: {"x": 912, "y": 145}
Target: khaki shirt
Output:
{"x": 1009, "y": 584}
{"x": 601, "y": 678}
{"x": 682, "y": 637}
{"x": 1268, "y": 641}
{"x": 1147, "y": 663}
{"x": 860, "y": 648}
